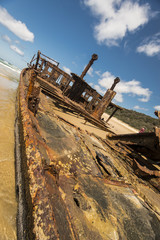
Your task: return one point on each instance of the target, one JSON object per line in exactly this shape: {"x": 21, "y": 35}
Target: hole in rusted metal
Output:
{"x": 77, "y": 202}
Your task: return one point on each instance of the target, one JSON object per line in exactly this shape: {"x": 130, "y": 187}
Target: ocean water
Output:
{"x": 9, "y": 77}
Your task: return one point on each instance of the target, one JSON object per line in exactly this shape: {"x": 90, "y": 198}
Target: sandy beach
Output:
{"x": 118, "y": 126}
{"x": 8, "y": 202}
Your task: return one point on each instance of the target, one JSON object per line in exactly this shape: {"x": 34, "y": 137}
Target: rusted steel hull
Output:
{"x": 72, "y": 184}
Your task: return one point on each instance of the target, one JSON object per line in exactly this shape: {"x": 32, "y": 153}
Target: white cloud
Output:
{"x": 17, "y": 50}
{"x": 119, "y": 97}
{"x": 132, "y": 87}
{"x": 157, "y": 107}
{"x": 140, "y": 108}
{"x": 106, "y": 80}
{"x": 17, "y": 42}
{"x": 151, "y": 46}
{"x": 67, "y": 70}
{"x": 116, "y": 18}
{"x": 6, "y": 38}
{"x": 98, "y": 73}
{"x": 17, "y": 27}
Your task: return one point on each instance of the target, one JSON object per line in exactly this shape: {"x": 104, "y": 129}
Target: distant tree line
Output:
{"x": 136, "y": 119}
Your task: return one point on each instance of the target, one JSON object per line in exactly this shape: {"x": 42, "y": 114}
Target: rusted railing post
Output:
{"x": 109, "y": 95}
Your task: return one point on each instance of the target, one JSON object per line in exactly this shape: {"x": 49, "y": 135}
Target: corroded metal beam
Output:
{"x": 104, "y": 103}
{"x": 115, "y": 110}
{"x": 145, "y": 143}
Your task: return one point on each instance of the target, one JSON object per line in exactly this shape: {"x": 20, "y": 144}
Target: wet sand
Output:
{"x": 8, "y": 205}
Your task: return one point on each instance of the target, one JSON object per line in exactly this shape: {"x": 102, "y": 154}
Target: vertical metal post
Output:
{"x": 109, "y": 95}
{"x": 94, "y": 58}
{"x": 115, "y": 110}
{"x": 116, "y": 80}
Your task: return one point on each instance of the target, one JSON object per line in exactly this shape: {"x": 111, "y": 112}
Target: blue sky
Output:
{"x": 124, "y": 33}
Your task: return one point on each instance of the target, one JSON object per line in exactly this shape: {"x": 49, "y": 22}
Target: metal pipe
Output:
{"x": 115, "y": 110}
{"x": 94, "y": 57}
{"x": 116, "y": 80}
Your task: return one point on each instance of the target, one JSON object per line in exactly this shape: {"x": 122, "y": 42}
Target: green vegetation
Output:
{"x": 136, "y": 119}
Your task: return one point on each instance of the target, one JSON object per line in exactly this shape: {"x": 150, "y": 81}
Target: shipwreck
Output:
{"x": 75, "y": 179}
